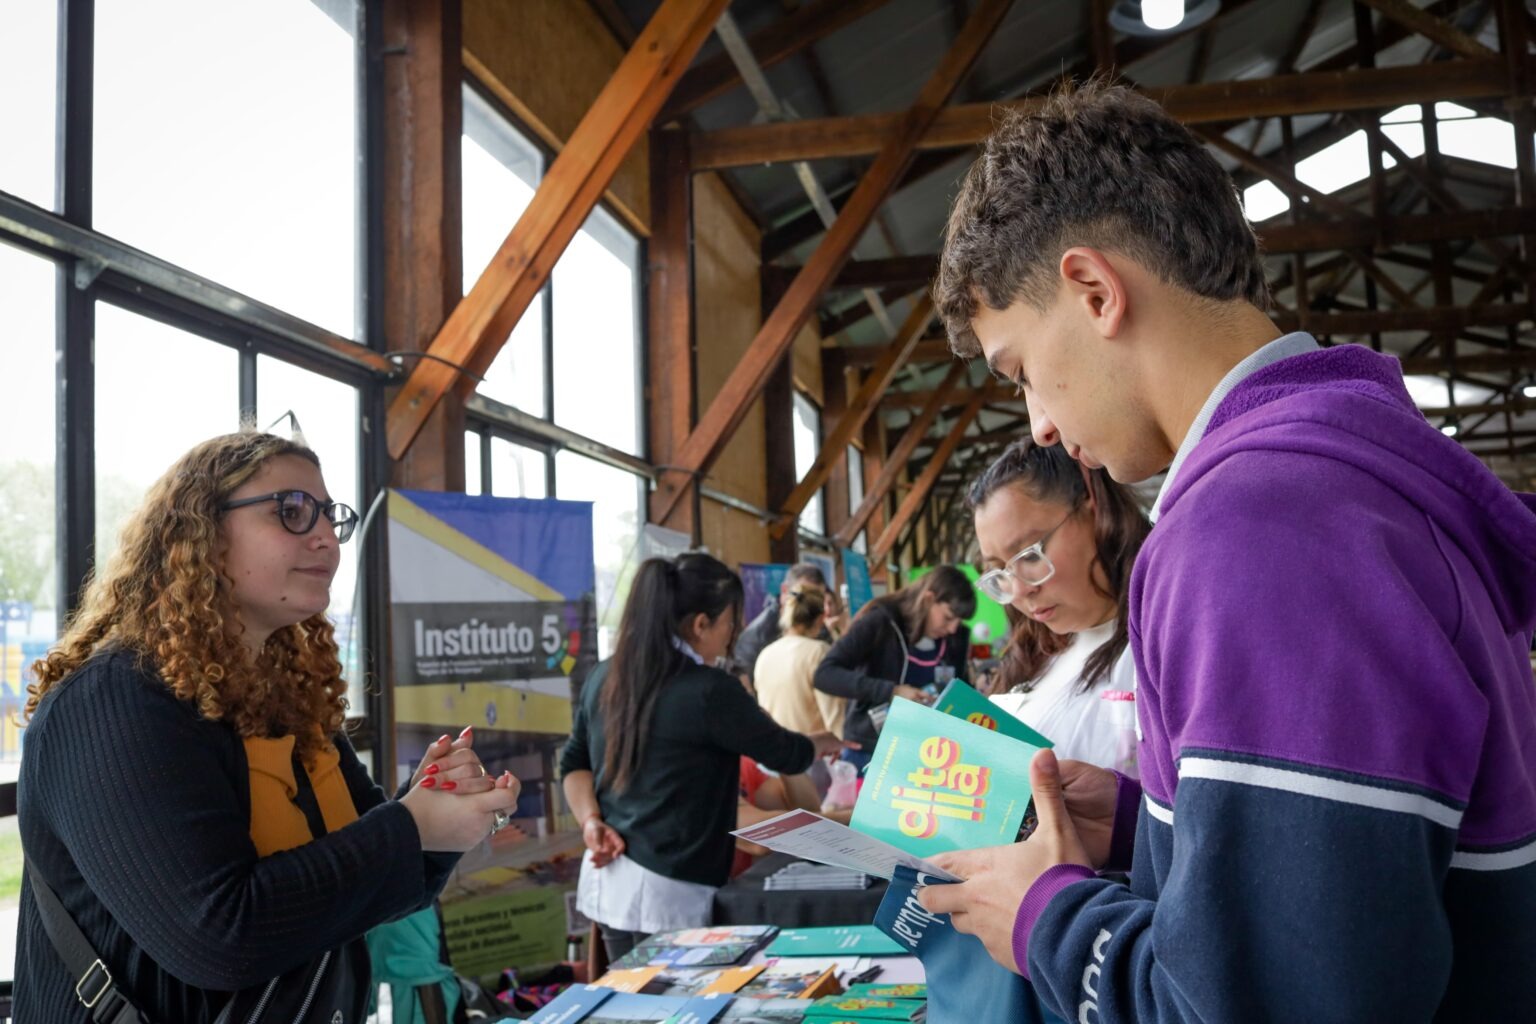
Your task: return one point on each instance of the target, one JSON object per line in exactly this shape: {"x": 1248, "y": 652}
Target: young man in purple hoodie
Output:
{"x": 1331, "y": 620}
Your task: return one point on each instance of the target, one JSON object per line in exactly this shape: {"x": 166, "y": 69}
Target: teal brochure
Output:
{"x": 960, "y": 700}
{"x": 849, "y": 940}
{"x": 938, "y": 783}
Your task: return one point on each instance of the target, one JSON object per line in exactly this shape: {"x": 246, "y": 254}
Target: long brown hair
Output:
{"x": 165, "y": 596}
{"x": 663, "y": 596}
{"x": 1051, "y": 476}
{"x": 944, "y": 585}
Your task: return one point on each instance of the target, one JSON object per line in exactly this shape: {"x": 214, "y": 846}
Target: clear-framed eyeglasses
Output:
{"x": 299, "y": 511}
{"x": 1029, "y": 568}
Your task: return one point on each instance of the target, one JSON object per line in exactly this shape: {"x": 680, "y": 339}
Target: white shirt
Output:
{"x": 632, "y": 898}
{"x": 1284, "y": 347}
{"x": 1082, "y": 726}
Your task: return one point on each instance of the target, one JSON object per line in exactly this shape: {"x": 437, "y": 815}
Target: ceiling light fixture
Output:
{"x": 1158, "y": 17}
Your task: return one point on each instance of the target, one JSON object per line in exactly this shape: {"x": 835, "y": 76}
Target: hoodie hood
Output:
{"x": 1349, "y": 403}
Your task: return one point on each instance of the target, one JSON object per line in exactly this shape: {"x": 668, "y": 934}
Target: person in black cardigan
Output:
{"x": 652, "y": 768}
{"x": 187, "y": 789}
{"x": 893, "y": 649}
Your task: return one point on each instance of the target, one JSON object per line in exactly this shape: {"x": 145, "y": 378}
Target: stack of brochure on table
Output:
{"x": 803, "y": 876}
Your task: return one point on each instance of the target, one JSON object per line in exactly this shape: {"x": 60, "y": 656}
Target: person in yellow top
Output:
{"x": 786, "y": 667}
{"x": 189, "y": 801}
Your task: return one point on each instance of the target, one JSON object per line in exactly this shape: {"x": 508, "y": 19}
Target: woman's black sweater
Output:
{"x": 869, "y": 661}
{"x": 677, "y": 814}
{"x": 137, "y": 812}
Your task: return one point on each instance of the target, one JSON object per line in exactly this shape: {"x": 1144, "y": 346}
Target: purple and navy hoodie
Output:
{"x": 1332, "y": 628}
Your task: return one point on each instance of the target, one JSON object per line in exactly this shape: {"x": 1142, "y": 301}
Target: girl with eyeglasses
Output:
{"x": 1058, "y": 542}
{"x": 188, "y": 790}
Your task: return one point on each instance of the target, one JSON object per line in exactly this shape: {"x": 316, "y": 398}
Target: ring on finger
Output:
{"x": 483, "y": 772}
{"x": 499, "y": 821}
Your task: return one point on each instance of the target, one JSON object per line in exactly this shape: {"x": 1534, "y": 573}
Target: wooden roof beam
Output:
{"x": 896, "y": 461}
{"x": 780, "y": 327}
{"x": 920, "y": 487}
{"x": 928, "y": 350}
{"x": 482, "y": 321}
{"x": 1430, "y": 27}
{"x": 834, "y": 447}
{"x": 1423, "y": 318}
{"x": 836, "y": 323}
{"x": 717, "y": 75}
{"x": 1207, "y": 103}
{"x": 908, "y": 272}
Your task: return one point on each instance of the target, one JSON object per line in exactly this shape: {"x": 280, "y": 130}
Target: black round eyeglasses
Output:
{"x": 299, "y": 511}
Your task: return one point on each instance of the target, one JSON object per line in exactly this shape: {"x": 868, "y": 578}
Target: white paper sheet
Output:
{"x": 812, "y": 837}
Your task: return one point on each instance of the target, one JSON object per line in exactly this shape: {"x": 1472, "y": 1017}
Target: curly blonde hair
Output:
{"x": 165, "y": 596}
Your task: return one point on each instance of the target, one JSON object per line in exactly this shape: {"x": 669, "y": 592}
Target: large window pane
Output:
{"x": 138, "y": 436}
{"x": 326, "y": 415}
{"x": 616, "y": 520}
{"x": 501, "y": 170}
{"x": 28, "y": 73}
{"x": 596, "y": 342}
{"x": 807, "y": 431}
{"x": 226, "y": 142}
{"x": 28, "y": 580}
{"x": 516, "y": 471}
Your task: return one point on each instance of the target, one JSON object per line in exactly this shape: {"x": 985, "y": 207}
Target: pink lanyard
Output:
{"x": 914, "y": 659}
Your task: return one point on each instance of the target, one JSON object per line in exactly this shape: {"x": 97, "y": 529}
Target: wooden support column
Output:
{"x": 779, "y": 329}
{"x": 834, "y": 409}
{"x": 480, "y": 324}
{"x": 671, "y": 386}
{"x": 422, "y": 222}
{"x": 850, "y": 422}
{"x": 874, "y": 495}
{"x": 924, "y": 484}
{"x": 875, "y": 451}
{"x": 779, "y": 441}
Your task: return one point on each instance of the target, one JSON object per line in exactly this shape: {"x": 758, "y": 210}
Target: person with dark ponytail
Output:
{"x": 1059, "y": 541}
{"x": 899, "y": 644}
{"x": 651, "y": 770}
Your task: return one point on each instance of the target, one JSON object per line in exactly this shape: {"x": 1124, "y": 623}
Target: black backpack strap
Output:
{"x": 94, "y": 986}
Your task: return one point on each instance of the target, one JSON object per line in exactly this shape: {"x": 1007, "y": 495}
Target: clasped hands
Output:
{"x": 1075, "y": 804}
{"x": 451, "y": 766}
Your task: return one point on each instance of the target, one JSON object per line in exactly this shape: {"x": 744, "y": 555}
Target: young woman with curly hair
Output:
{"x": 188, "y": 791}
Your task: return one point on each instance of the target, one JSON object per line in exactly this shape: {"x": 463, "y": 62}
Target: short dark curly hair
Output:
{"x": 1101, "y": 165}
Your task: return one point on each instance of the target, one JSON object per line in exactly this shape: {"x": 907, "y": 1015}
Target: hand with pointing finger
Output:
{"x": 995, "y": 880}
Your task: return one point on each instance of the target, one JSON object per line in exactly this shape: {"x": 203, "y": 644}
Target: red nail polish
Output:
{"x": 443, "y": 738}
{"x": 450, "y": 784}
{"x": 431, "y": 769}
{"x": 466, "y": 731}
{"x": 428, "y": 782}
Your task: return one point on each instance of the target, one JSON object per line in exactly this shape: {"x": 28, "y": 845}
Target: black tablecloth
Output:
{"x": 743, "y": 901}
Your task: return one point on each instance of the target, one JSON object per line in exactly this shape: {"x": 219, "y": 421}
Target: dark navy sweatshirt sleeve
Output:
{"x": 132, "y": 782}
{"x": 1312, "y": 738}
